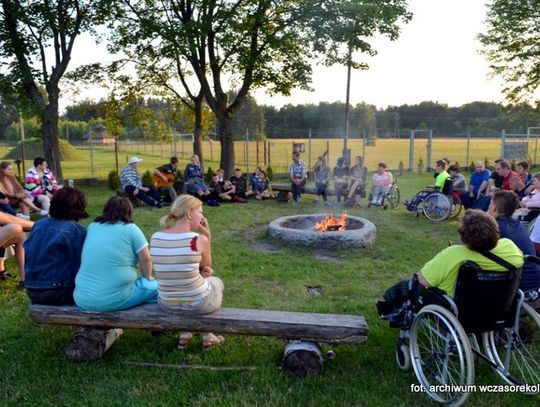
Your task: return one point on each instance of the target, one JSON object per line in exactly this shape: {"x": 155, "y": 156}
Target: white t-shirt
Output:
{"x": 382, "y": 180}
{"x": 535, "y": 235}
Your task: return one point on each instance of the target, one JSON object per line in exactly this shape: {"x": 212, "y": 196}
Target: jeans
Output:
{"x": 8, "y": 209}
{"x": 52, "y": 296}
{"x": 150, "y": 198}
{"x": 296, "y": 191}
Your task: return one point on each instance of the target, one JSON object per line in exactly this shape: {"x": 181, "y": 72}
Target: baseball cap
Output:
{"x": 134, "y": 160}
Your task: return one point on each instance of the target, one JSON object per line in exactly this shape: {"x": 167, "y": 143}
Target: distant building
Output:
{"x": 98, "y": 135}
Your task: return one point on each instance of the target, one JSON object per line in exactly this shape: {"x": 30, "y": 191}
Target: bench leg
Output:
{"x": 302, "y": 358}
{"x": 88, "y": 345}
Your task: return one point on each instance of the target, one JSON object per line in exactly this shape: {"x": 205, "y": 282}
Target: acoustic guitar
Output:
{"x": 159, "y": 183}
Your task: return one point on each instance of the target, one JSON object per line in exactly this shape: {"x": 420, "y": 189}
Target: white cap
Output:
{"x": 134, "y": 160}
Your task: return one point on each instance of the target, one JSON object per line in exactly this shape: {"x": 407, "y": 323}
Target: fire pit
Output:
{"x": 301, "y": 230}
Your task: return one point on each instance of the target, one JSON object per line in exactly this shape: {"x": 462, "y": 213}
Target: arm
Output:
{"x": 422, "y": 279}
{"x": 145, "y": 260}
{"x": 159, "y": 174}
{"x": 204, "y": 247}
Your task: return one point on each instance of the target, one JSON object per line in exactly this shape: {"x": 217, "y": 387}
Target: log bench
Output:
{"x": 302, "y": 331}
{"x": 284, "y": 189}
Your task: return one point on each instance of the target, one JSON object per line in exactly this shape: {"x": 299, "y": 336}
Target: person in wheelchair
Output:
{"x": 501, "y": 208}
{"x": 382, "y": 182}
{"x": 479, "y": 234}
{"x": 443, "y": 183}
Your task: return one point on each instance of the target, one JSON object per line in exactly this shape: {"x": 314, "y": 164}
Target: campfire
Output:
{"x": 332, "y": 224}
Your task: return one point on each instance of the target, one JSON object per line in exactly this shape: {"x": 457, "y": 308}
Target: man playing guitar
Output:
{"x": 165, "y": 179}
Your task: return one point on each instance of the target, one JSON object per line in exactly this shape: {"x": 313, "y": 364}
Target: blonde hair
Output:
{"x": 180, "y": 208}
{"x": 196, "y": 157}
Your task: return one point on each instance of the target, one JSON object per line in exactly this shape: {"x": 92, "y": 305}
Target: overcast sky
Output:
{"x": 435, "y": 58}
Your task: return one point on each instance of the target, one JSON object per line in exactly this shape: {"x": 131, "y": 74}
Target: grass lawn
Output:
{"x": 36, "y": 372}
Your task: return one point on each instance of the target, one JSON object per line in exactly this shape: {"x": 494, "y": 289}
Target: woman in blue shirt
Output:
{"x": 107, "y": 279}
{"x": 53, "y": 250}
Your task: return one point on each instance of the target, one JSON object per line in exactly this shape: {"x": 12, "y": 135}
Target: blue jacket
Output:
{"x": 53, "y": 253}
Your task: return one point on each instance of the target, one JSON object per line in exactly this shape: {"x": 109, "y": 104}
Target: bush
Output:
{"x": 472, "y": 167}
{"x": 401, "y": 168}
{"x": 34, "y": 148}
{"x": 147, "y": 178}
{"x": 269, "y": 173}
{"x": 114, "y": 180}
{"x": 486, "y": 163}
{"x": 457, "y": 164}
{"x": 513, "y": 165}
{"x": 208, "y": 176}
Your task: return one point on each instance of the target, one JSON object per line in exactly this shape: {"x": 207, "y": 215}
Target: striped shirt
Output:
{"x": 176, "y": 263}
{"x": 130, "y": 176}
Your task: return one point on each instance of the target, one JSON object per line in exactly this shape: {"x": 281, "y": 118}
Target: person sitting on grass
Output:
{"x": 503, "y": 205}
{"x": 182, "y": 256}
{"x": 440, "y": 181}
{"x": 253, "y": 180}
{"x": 382, "y": 182}
{"x": 15, "y": 193}
{"x": 41, "y": 184}
{"x": 262, "y": 189}
{"x": 479, "y": 234}
{"x": 238, "y": 180}
{"x": 53, "y": 249}
{"x": 223, "y": 189}
{"x": 132, "y": 184}
{"x": 107, "y": 279}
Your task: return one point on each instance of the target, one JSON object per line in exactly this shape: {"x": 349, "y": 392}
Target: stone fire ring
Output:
{"x": 300, "y": 230}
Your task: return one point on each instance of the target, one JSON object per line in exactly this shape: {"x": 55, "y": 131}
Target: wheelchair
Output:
{"x": 437, "y": 205}
{"x": 439, "y": 335}
{"x": 390, "y": 198}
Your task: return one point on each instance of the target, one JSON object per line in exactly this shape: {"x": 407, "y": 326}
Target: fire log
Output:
{"x": 88, "y": 344}
{"x": 302, "y": 359}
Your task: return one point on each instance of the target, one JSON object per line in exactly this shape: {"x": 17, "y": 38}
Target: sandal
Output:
{"x": 183, "y": 339}
{"x": 4, "y": 275}
{"x": 210, "y": 340}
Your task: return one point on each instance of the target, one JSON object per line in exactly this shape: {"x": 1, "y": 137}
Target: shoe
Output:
{"x": 159, "y": 205}
{"x": 183, "y": 340}
{"x": 43, "y": 212}
{"x": 210, "y": 340}
{"x": 21, "y": 285}
{"x": 23, "y": 216}
{"x": 4, "y": 275}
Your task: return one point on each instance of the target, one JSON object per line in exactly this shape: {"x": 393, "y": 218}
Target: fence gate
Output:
{"x": 515, "y": 147}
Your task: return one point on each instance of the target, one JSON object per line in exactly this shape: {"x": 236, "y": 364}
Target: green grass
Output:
{"x": 36, "y": 372}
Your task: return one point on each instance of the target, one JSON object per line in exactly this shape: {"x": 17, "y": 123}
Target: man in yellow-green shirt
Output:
{"x": 440, "y": 180}
{"x": 479, "y": 233}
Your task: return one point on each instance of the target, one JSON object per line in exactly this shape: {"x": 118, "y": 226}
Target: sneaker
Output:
{"x": 21, "y": 285}
{"x": 158, "y": 204}
{"x": 23, "y": 216}
{"x": 43, "y": 212}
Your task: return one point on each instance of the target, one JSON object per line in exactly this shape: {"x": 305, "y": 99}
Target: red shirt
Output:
{"x": 506, "y": 180}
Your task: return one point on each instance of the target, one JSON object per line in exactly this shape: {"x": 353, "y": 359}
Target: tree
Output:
{"x": 248, "y": 44}
{"x": 512, "y": 45}
{"x": 31, "y": 32}
{"x": 8, "y": 115}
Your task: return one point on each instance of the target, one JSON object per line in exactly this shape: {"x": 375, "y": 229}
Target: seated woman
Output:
{"x": 382, "y": 181}
{"x": 183, "y": 262}
{"x": 107, "y": 279}
{"x": 341, "y": 178}
{"x": 532, "y": 199}
{"x": 53, "y": 250}
{"x": 322, "y": 176}
{"x": 12, "y": 234}
{"x": 194, "y": 179}
{"x": 14, "y": 192}
{"x": 501, "y": 208}
{"x": 440, "y": 181}
{"x": 479, "y": 234}
{"x": 223, "y": 189}
{"x": 358, "y": 176}
{"x": 262, "y": 188}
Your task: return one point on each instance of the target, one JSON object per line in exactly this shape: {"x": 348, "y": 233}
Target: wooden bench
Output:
{"x": 303, "y": 331}
{"x": 284, "y": 189}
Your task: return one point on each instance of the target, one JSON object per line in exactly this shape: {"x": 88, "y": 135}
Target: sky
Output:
{"x": 435, "y": 58}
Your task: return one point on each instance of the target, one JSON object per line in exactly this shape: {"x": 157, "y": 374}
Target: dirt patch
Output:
{"x": 327, "y": 255}
{"x": 254, "y": 237}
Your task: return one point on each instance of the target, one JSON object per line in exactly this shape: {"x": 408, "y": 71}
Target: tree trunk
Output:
{"x": 88, "y": 344}
{"x": 197, "y": 127}
{"x": 49, "y": 128}
{"x": 227, "y": 141}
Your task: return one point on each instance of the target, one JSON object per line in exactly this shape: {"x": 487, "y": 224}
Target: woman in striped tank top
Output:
{"x": 182, "y": 258}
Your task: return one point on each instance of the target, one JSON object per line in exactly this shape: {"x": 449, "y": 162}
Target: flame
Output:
{"x": 331, "y": 223}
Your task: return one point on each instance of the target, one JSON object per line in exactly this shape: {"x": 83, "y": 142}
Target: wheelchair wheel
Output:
{"x": 437, "y": 207}
{"x": 456, "y": 206}
{"x": 392, "y": 198}
{"x": 370, "y": 198}
{"x": 517, "y": 354}
{"x": 441, "y": 355}
{"x": 403, "y": 356}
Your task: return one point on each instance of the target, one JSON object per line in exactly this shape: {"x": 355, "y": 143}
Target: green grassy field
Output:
{"x": 36, "y": 372}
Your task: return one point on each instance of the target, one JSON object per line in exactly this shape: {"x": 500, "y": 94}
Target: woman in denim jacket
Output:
{"x": 53, "y": 250}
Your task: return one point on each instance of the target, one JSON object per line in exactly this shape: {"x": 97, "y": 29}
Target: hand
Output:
{"x": 4, "y": 201}
{"x": 145, "y": 189}
{"x": 135, "y": 191}
{"x": 164, "y": 178}
{"x": 204, "y": 227}
{"x": 207, "y": 271}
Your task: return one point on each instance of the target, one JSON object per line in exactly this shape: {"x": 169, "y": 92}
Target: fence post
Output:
{"x": 503, "y": 141}
{"x": 309, "y": 149}
{"x": 364, "y": 136}
{"x": 257, "y": 152}
{"x": 429, "y": 145}
{"x": 328, "y": 150}
{"x": 468, "y": 147}
{"x": 116, "y": 155}
{"x": 269, "y": 154}
{"x": 535, "y": 149}
{"x": 411, "y": 151}
{"x": 247, "y": 149}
